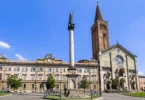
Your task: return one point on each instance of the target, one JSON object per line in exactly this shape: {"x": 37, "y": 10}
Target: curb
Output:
{"x": 6, "y": 95}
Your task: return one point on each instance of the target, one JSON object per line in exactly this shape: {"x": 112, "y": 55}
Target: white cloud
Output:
{"x": 20, "y": 57}
{"x": 141, "y": 73}
{"x": 4, "y": 45}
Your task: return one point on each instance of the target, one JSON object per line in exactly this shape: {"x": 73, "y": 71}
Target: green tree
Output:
{"x": 14, "y": 82}
{"x": 115, "y": 83}
{"x": 50, "y": 84}
{"x": 84, "y": 83}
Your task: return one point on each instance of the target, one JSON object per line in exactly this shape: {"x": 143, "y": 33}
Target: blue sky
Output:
{"x": 29, "y": 29}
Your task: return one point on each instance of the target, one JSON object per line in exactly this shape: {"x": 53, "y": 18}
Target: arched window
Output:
{"x": 121, "y": 71}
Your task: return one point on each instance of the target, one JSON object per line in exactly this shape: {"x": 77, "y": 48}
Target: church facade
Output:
{"x": 109, "y": 62}
{"x": 115, "y": 61}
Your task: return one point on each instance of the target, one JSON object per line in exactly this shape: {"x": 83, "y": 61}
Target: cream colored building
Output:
{"x": 34, "y": 73}
{"x": 142, "y": 82}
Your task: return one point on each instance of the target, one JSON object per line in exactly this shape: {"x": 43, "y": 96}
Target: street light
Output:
{"x": 90, "y": 76}
{"x": 60, "y": 89}
{"x": 3, "y": 79}
{"x": 90, "y": 89}
{"x": 99, "y": 79}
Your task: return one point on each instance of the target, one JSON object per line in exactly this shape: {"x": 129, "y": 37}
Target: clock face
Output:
{"x": 119, "y": 60}
{"x": 49, "y": 60}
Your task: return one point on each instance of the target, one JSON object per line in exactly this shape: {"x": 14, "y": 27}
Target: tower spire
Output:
{"x": 98, "y": 15}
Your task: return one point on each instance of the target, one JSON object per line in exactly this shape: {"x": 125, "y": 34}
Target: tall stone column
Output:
{"x": 71, "y": 76}
{"x": 71, "y": 40}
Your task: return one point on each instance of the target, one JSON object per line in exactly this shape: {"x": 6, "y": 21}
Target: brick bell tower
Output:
{"x": 100, "y": 35}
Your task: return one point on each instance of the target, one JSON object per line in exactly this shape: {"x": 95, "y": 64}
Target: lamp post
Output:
{"x": 3, "y": 78}
{"x": 60, "y": 88}
{"x": 100, "y": 79}
{"x": 90, "y": 89}
{"x": 90, "y": 83}
{"x": 36, "y": 80}
{"x": 21, "y": 80}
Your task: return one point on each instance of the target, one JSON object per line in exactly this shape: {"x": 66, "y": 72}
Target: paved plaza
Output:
{"x": 39, "y": 96}
{"x": 114, "y": 96}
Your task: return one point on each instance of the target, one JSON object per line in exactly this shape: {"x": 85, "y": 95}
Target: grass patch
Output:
{"x": 136, "y": 94}
{"x": 96, "y": 97}
{"x": 63, "y": 98}
{"x": 52, "y": 97}
{"x": 3, "y": 93}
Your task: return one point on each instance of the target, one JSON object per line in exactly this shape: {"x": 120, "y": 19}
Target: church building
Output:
{"x": 115, "y": 61}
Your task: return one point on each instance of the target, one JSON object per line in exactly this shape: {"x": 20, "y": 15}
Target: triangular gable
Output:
{"x": 121, "y": 47}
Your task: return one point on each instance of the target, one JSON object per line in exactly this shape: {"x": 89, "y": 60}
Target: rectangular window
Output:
{"x": 32, "y": 86}
{"x": 24, "y": 86}
{"x": 57, "y": 86}
{"x": 64, "y": 77}
{"x": 56, "y": 77}
{"x": 8, "y": 68}
{"x": 1, "y": 68}
{"x": 17, "y": 69}
{"x": 79, "y": 70}
{"x": 48, "y": 69}
{"x": 86, "y": 70}
{"x": 41, "y": 69}
{"x": 24, "y": 76}
{"x": 25, "y": 69}
{"x": 64, "y": 86}
{"x": 57, "y": 70}
{"x": 41, "y": 86}
{"x": 33, "y": 76}
{"x": 0, "y": 76}
{"x": 33, "y": 69}
{"x": 40, "y": 77}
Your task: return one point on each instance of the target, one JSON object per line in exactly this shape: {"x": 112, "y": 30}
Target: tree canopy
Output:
{"x": 14, "y": 82}
{"x": 50, "y": 84}
{"x": 84, "y": 82}
{"x": 115, "y": 83}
